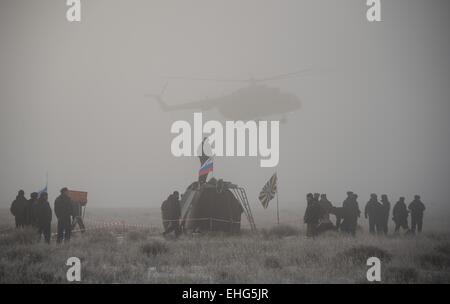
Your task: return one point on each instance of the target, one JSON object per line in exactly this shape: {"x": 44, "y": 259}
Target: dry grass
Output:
{"x": 280, "y": 254}
{"x": 145, "y": 258}
{"x": 279, "y": 231}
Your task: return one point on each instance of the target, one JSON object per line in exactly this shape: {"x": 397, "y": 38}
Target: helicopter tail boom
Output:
{"x": 159, "y": 99}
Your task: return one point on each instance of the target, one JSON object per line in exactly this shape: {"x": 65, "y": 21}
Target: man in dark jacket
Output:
{"x": 325, "y": 207}
{"x": 44, "y": 217}
{"x": 63, "y": 212}
{"x": 400, "y": 215}
{"x": 386, "y": 208}
{"x": 30, "y": 210}
{"x": 373, "y": 211}
{"x": 312, "y": 215}
{"x": 316, "y": 197}
{"x": 416, "y": 207}
{"x": 171, "y": 212}
{"x": 351, "y": 213}
{"x": 18, "y": 208}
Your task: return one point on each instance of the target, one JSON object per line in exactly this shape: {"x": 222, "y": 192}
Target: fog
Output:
{"x": 374, "y": 103}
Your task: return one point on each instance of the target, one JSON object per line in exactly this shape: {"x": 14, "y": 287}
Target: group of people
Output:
{"x": 34, "y": 212}
{"x": 37, "y": 213}
{"x": 319, "y": 208}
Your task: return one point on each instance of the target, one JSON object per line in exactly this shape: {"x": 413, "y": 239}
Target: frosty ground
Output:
{"x": 275, "y": 254}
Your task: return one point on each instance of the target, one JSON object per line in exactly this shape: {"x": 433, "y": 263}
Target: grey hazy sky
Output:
{"x": 374, "y": 114}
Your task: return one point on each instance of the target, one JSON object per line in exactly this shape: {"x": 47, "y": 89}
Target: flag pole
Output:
{"x": 278, "y": 211}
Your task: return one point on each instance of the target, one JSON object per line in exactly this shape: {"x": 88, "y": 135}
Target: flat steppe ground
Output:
{"x": 123, "y": 253}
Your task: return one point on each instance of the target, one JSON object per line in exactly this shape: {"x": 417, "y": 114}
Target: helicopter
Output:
{"x": 251, "y": 102}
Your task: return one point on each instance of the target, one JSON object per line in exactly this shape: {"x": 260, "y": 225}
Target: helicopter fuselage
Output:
{"x": 256, "y": 101}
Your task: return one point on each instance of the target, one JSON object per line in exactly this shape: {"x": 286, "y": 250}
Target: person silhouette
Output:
{"x": 385, "y": 213}
{"x": 416, "y": 207}
{"x": 400, "y": 215}
{"x": 373, "y": 211}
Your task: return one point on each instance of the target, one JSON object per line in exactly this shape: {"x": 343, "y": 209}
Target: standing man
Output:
{"x": 18, "y": 208}
{"x": 63, "y": 212}
{"x": 351, "y": 213}
{"x": 385, "y": 213}
{"x": 171, "y": 214}
{"x": 312, "y": 215}
{"x": 325, "y": 207}
{"x": 400, "y": 215}
{"x": 416, "y": 207}
{"x": 316, "y": 197}
{"x": 373, "y": 211}
{"x": 44, "y": 217}
{"x": 344, "y": 224}
{"x": 30, "y": 210}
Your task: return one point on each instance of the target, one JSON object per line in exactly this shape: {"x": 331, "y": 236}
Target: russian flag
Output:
{"x": 206, "y": 167}
{"x": 42, "y": 190}
{"x": 45, "y": 188}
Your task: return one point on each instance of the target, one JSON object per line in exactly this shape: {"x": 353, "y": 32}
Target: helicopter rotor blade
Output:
{"x": 284, "y": 76}
{"x": 276, "y": 77}
{"x": 207, "y": 79}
